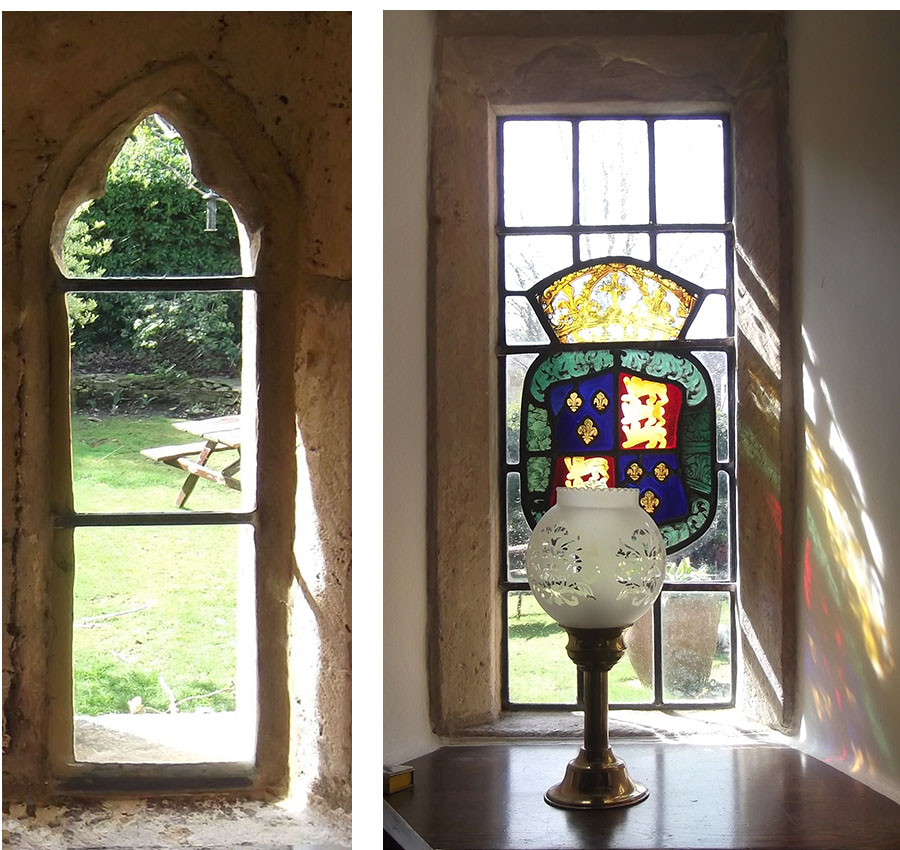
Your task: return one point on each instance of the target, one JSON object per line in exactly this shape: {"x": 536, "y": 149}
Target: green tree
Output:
{"x": 151, "y": 221}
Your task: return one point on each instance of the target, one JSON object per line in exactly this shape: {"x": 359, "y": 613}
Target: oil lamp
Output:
{"x": 596, "y": 563}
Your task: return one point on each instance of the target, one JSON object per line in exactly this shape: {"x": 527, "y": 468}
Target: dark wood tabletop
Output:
{"x": 755, "y": 795}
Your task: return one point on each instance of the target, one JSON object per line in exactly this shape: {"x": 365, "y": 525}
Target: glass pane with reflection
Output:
{"x": 696, "y": 646}
{"x": 537, "y": 173}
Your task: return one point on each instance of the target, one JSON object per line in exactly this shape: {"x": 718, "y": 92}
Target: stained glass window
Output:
{"x": 617, "y": 371}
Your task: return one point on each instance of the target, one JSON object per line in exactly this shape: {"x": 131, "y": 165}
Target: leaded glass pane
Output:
{"x": 537, "y": 652}
{"x": 711, "y": 321}
{"x": 530, "y": 258}
{"x": 709, "y": 557}
{"x": 637, "y": 685}
{"x": 516, "y": 366}
{"x": 522, "y": 325}
{"x": 696, "y": 646}
{"x": 615, "y": 302}
{"x": 716, "y": 364}
{"x": 614, "y": 171}
{"x": 699, "y": 257}
{"x": 636, "y": 245}
{"x": 630, "y": 418}
{"x": 690, "y": 177}
{"x": 537, "y": 173}
{"x": 517, "y": 531}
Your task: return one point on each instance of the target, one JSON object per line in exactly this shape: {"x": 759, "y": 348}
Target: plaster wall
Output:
{"x": 845, "y": 137}
{"x": 408, "y": 63}
{"x": 275, "y": 88}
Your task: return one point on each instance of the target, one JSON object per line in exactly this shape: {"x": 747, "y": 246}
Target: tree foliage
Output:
{"x": 151, "y": 221}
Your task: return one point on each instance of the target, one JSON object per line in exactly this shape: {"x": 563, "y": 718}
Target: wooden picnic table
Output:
{"x": 221, "y": 433}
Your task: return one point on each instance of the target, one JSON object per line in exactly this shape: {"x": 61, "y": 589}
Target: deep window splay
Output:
{"x": 162, "y": 518}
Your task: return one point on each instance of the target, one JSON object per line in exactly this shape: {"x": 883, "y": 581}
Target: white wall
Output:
{"x": 408, "y": 55}
{"x": 845, "y": 137}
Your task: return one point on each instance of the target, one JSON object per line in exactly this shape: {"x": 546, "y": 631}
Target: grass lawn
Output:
{"x": 539, "y": 669}
{"x": 178, "y": 584}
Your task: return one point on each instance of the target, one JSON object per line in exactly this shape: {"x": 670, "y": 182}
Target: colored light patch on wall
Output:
{"x": 648, "y": 413}
{"x": 585, "y": 418}
{"x": 583, "y": 473}
{"x": 659, "y": 475}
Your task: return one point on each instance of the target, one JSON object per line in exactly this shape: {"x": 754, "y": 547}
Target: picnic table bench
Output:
{"x": 221, "y": 433}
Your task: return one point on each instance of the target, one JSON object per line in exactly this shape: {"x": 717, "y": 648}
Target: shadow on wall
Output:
{"x": 847, "y": 654}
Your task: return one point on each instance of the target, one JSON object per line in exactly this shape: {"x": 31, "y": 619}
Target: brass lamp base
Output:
{"x": 601, "y": 784}
{"x": 596, "y": 778}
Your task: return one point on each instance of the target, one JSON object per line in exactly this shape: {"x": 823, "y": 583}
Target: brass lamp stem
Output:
{"x": 596, "y": 778}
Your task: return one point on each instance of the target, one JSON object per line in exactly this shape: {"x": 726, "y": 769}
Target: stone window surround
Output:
{"x": 247, "y": 171}
{"x": 491, "y": 64}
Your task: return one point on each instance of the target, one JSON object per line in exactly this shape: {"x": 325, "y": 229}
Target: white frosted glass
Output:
{"x": 537, "y": 173}
{"x": 711, "y": 320}
{"x": 697, "y": 257}
{"x": 522, "y": 323}
{"x": 614, "y": 171}
{"x": 598, "y": 245}
{"x": 530, "y": 258}
{"x": 690, "y": 176}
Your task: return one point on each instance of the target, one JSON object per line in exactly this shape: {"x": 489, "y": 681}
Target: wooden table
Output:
{"x": 221, "y": 433}
{"x": 754, "y": 795}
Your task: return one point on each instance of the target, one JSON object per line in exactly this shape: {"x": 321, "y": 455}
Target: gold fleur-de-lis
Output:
{"x": 649, "y": 502}
{"x": 601, "y": 402}
{"x": 634, "y": 471}
{"x": 587, "y": 431}
{"x": 573, "y": 401}
{"x": 661, "y": 471}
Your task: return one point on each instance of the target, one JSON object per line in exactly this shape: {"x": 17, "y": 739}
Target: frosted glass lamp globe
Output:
{"x": 596, "y": 560}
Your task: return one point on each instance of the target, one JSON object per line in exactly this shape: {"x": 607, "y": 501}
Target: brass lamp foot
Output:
{"x": 599, "y": 784}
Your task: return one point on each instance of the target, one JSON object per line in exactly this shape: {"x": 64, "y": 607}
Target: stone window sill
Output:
{"x": 701, "y": 726}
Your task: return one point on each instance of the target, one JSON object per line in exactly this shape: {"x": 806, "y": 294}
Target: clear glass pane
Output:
{"x": 531, "y": 258}
{"x": 599, "y": 245}
{"x": 163, "y": 651}
{"x": 522, "y": 324}
{"x": 539, "y": 668}
{"x": 711, "y": 321}
{"x": 153, "y": 375}
{"x": 697, "y": 257}
{"x": 690, "y": 176}
{"x": 696, "y": 646}
{"x": 517, "y": 531}
{"x": 537, "y": 173}
{"x": 631, "y": 680}
{"x": 516, "y": 367}
{"x": 709, "y": 557}
{"x": 716, "y": 363}
{"x": 615, "y": 172}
